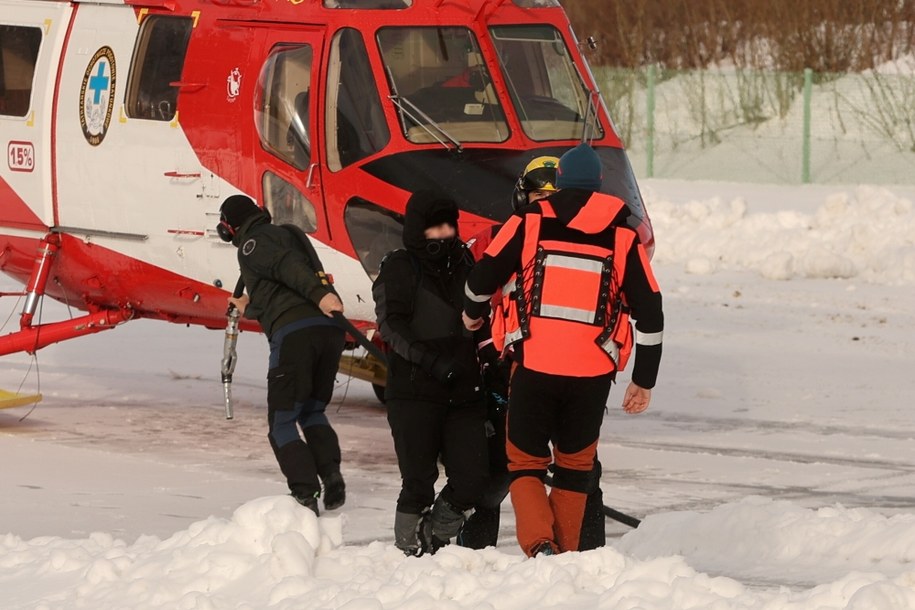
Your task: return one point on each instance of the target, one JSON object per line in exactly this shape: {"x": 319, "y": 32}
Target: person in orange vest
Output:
{"x": 537, "y": 181}
{"x": 579, "y": 274}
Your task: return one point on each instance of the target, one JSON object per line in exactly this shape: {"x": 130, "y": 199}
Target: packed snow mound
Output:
{"x": 758, "y": 535}
{"x": 273, "y": 553}
{"x": 867, "y": 234}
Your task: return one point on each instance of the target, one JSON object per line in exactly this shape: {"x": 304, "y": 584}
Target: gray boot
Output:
{"x": 446, "y": 522}
{"x": 406, "y": 538}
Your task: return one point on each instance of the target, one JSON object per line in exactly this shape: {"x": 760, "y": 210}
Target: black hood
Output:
{"x": 426, "y": 209}
{"x": 241, "y": 235}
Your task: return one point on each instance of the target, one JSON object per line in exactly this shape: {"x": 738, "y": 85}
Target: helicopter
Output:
{"x": 128, "y": 122}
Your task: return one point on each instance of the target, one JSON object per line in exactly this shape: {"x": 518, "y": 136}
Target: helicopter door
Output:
{"x": 31, "y": 34}
{"x": 286, "y": 119}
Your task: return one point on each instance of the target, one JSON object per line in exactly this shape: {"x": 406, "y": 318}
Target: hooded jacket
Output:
{"x": 278, "y": 276}
{"x": 418, "y": 304}
{"x": 576, "y": 216}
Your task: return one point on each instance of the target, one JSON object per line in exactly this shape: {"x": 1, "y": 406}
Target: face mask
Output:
{"x": 439, "y": 248}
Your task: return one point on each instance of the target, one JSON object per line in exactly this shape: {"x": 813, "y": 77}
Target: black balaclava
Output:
{"x": 234, "y": 211}
{"x": 429, "y": 209}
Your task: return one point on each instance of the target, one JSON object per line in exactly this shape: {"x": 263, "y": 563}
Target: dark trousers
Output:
{"x": 567, "y": 411}
{"x": 422, "y": 432}
{"x": 482, "y": 528}
{"x": 303, "y": 364}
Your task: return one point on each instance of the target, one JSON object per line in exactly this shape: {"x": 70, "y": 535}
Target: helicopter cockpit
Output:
{"x": 443, "y": 91}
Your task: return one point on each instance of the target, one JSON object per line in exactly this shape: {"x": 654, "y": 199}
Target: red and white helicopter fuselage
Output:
{"x": 127, "y": 123}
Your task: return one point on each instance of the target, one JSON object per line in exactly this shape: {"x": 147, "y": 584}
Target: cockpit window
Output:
{"x": 440, "y": 86}
{"x": 552, "y": 101}
{"x": 281, "y": 106}
{"x": 355, "y": 126}
{"x": 368, "y": 4}
{"x": 374, "y": 231}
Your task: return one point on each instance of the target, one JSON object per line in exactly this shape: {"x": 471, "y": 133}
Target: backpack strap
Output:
{"x": 311, "y": 254}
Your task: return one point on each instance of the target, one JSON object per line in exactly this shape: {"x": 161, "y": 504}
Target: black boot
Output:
{"x": 446, "y": 520}
{"x": 406, "y": 533}
{"x": 309, "y": 502}
{"x": 481, "y": 529}
{"x": 334, "y": 491}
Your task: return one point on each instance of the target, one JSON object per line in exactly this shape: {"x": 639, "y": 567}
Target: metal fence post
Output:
{"x": 805, "y": 153}
{"x": 652, "y": 74}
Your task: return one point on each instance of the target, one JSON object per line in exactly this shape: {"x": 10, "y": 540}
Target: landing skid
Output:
{"x": 8, "y": 400}
{"x": 32, "y": 337}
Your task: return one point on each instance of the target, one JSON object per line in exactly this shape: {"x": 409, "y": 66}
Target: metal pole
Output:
{"x": 805, "y": 152}
{"x": 229, "y": 355}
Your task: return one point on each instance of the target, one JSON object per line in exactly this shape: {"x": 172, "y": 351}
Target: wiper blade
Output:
{"x": 408, "y": 108}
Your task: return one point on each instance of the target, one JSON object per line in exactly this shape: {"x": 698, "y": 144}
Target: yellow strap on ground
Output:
{"x": 9, "y": 400}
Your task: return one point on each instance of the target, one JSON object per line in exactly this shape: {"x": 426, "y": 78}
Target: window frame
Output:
{"x": 592, "y": 107}
{"x": 35, "y": 61}
{"x": 332, "y": 95}
{"x": 265, "y": 96}
{"x": 393, "y": 86}
{"x": 132, "y": 92}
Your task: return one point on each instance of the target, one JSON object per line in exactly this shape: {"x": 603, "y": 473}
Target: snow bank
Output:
{"x": 275, "y": 554}
{"x": 867, "y": 234}
{"x": 762, "y": 536}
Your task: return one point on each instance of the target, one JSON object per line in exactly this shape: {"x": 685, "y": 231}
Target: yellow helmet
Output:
{"x": 539, "y": 175}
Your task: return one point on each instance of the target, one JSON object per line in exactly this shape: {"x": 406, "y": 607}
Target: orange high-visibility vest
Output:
{"x": 567, "y": 307}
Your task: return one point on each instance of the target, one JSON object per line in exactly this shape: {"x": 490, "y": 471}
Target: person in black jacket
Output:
{"x": 293, "y": 305}
{"x": 433, "y": 391}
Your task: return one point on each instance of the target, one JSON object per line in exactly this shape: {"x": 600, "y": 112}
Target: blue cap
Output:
{"x": 580, "y": 168}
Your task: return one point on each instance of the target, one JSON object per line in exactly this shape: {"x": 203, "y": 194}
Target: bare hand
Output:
{"x": 241, "y": 303}
{"x": 636, "y": 399}
{"x": 329, "y": 304}
{"x": 470, "y": 323}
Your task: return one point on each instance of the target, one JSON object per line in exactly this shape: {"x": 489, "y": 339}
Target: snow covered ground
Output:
{"x": 774, "y": 468}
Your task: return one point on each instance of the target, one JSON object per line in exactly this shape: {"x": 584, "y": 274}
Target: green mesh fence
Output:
{"x": 756, "y": 126}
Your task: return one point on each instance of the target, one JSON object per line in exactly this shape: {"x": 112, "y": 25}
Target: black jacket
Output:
{"x": 418, "y": 301}
{"x": 278, "y": 276}
{"x": 418, "y": 305}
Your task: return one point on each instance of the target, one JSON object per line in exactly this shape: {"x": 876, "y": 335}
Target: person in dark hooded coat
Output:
{"x": 293, "y": 305}
{"x": 434, "y": 388}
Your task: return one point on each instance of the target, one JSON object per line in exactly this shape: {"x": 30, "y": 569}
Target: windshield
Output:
{"x": 440, "y": 86}
{"x": 546, "y": 88}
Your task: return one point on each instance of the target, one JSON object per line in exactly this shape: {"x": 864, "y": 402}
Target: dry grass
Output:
{"x": 825, "y": 35}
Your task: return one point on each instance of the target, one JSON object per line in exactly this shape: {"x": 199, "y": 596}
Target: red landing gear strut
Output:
{"x": 30, "y": 338}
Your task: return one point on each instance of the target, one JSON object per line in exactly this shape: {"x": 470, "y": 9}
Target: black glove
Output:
{"x": 488, "y": 356}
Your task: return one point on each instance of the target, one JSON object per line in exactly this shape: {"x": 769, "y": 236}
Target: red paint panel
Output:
{"x": 14, "y": 212}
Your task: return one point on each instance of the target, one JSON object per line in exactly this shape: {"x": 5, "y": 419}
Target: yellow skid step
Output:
{"x": 9, "y": 400}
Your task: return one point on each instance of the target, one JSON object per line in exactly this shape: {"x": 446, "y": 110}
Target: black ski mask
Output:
{"x": 429, "y": 209}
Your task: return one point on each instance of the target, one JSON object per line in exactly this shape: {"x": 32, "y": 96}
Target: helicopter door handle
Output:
{"x": 177, "y": 174}
{"x": 187, "y": 87}
{"x": 311, "y": 172}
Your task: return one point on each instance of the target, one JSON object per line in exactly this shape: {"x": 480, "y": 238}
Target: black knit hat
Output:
{"x": 580, "y": 168}
{"x": 237, "y": 209}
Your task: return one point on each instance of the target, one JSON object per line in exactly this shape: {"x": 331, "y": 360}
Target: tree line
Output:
{"x": 825, "y": 35}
